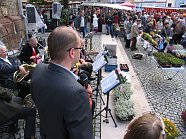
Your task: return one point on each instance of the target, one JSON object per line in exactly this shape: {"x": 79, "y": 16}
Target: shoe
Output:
{"x": 133, "y": 49}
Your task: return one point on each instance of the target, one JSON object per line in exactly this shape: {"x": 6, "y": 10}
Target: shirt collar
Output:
{"x": 74, "y": 75}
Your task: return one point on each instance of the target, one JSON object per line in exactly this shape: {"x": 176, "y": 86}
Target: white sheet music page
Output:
{"x": 109, "y": 82}
{"x": 99, "y": 63}
{"x": 102, "y": 52}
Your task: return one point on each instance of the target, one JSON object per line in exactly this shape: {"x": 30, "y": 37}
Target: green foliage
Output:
{"x": 165, "y": 58}
{"x": 149, "y": 38}
{"x": 65, "y": 20}
{"x": 124, "y": 109}
{"x": 123, "y": 91}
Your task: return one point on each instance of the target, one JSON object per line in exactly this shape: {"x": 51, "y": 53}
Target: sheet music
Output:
{"x": 102, "y": 52}
{"x": 99, "y": 63}
{"x": 109, "y": 82}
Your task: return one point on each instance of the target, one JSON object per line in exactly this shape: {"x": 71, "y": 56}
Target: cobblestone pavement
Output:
{"x": 96, "y": 122}
{"x": 166, "y": 97}
{"x": 96, "y": 45}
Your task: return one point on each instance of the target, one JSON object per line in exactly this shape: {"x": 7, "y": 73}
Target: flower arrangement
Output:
{"x": 123, "y": 106}
{"x": 124, "y": 109}
{"x": 170, "y": 129}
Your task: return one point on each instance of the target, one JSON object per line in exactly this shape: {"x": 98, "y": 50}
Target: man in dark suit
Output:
{"x": 7, "y": 68}
{"x": 62, "y": 103}
{"x": 12, "y": 111}
{"x": 81, "y": 22}
{"x": 30, "y": 53}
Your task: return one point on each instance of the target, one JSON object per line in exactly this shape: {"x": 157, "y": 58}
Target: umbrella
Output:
{"x": 128, "y": 4}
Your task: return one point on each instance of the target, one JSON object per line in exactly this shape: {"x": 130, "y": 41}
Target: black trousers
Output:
{"x": 24, "y": 89}
{"x": 127, "y": 45}
{"x": 134, "y": 41}
{"x": 177, "y": 38}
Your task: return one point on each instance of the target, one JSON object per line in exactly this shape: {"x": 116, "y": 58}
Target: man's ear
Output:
{"x": 71, "y": 53}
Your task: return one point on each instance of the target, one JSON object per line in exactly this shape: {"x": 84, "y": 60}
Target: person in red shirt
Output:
{"x": 30, "y": 53}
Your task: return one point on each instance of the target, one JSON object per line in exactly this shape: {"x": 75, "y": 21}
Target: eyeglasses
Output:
{"x": 74, "y": 48}
{"x": 151, "y": 113}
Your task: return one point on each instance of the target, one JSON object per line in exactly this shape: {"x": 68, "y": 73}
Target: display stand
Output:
{"x": 107, "y": 84}
{"x": 174, "y": 69}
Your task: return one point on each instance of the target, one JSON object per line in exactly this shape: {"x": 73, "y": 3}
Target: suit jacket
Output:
{"x": 78, "y": 21}
{"x": 6, "y": 72}
{"x": 8, "y": 108}
{"x": 26, "y": 53}
{"x": 62, "y": 103}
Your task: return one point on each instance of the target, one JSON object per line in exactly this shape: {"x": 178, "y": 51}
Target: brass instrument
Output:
{"x": 28, "y": 101}
{"x": 19, "y": 76}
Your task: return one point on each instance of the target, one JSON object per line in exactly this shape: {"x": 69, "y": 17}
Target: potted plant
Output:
{"x": 123, "y": 91}
{"x": 123, "y": 106}
{"x": 124, "y": 109}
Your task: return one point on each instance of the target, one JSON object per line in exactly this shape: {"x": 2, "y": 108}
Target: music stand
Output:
{"x": 87, "y": 37}
{"x": 97, "y": 66}
{"x": 107, "y": 84}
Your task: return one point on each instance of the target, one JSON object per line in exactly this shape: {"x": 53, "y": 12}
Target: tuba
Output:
{"x": 19, "y": 76}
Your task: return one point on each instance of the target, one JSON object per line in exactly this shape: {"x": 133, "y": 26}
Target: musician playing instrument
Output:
{"x": 7, "y": 68}
{"x": 30, "y": 53}
{"x": 12, "y": 111}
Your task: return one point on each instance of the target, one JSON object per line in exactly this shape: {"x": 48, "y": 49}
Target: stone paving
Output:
{"x": 166, "y": 97}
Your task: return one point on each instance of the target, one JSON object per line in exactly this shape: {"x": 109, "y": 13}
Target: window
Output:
{"x": 169, "y": 4}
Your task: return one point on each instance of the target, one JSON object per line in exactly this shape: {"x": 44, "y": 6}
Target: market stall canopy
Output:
{"x": 128, "y": 4}
{"x": 114, "y": 6}
{"x": 117, "y": 6}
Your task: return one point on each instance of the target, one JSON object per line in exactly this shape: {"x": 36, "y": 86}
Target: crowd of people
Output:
{"x": 170, "y": 26}
{"x": 64, "y": 106}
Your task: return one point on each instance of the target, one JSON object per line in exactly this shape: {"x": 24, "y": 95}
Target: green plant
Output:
{"x": 124, "y": 91}
{"x": 168, "y": 59}
{"x": 66, "y": 13}
{"x": 124, "y": 109}
{"x": 170, "y": 129}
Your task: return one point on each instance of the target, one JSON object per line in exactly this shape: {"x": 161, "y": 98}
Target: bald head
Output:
{"x": 60, "y": 40}
{"x": 33, "y": 42}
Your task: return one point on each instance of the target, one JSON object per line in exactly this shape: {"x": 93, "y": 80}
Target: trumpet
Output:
{"x": 19, "y": 76}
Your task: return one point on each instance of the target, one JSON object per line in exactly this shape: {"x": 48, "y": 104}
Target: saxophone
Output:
{"x": 19, "y": 76}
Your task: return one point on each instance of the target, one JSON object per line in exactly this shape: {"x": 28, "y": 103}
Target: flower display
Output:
{"x": 170, "y": 129}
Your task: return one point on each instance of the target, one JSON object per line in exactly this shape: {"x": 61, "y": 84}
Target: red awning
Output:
{"x": 128, "y": 4}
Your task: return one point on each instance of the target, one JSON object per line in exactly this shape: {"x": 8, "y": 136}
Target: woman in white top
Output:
{"x": 95, "y": 23}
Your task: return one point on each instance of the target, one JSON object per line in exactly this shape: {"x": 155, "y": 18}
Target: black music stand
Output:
{"x": 97, "y": 67}
{"x": 107, "y": 84}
